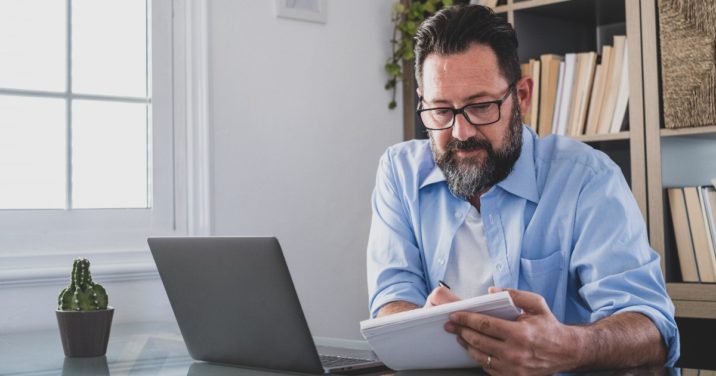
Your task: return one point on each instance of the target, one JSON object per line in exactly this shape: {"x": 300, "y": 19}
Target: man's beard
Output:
{"x": 469, "y": 177}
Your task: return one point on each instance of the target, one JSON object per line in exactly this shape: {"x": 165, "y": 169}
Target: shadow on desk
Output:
{"x": 210, "y": 369}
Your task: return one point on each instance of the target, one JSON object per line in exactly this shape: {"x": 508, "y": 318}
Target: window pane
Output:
{"x": 109, "y": 155}
{"x": 32, "y": 153}
{"x": 109, "y": 47}
{"x": 33, "y": 45}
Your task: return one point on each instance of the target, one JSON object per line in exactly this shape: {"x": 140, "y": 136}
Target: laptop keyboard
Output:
{"x": 330, "y": 361}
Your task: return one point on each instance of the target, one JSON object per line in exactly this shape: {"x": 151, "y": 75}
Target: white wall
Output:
{"x": 300, "y": 118}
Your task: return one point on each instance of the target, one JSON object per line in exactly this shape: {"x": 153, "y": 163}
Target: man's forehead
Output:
{"x": 464, "y": 74}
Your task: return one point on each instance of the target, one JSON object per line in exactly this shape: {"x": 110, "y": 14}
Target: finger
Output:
{"x": 440, "y": 295}
{"x": 481, "y": 358}
{"x": 493, "y": 289}
{"x": 478, "y": 340}
{"x": 528, "y": 301}
{"x": 491, "y": 326}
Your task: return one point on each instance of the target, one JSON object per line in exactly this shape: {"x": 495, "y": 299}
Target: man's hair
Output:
{"x": 453, "y": 30}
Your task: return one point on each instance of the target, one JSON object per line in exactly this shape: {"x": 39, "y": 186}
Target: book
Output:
{"x": 565, "y": 101}
{"x": 705, "y": 255}
{"x": 534, "y": 107}
{"x": 611, "y": 87}
{"x": 684, "y": 244}
{"x": 583, "y": 82}
{"x": 548, "y": 92}
{"x": 526, "y": 69}
{"x": 595, "y": 103}
{"x": 622, "y": 96}
{"x": 709, "y": 194}
{"x": 558, "y": 100}
{"x": 417, "y": 339}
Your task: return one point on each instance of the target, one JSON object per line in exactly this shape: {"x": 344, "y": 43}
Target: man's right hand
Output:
{"x": 440, "y": 295}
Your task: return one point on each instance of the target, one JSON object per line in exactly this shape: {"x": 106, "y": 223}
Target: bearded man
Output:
{"x": 486, "y": 205}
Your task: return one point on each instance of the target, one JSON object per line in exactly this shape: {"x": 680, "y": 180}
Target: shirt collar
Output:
{"x": 521, "y": 181}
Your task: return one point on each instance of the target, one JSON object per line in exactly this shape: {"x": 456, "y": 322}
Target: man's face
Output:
{"x": 473, "y": 158}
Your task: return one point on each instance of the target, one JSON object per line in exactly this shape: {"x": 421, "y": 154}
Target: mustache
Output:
{"x": 468, "y": 145}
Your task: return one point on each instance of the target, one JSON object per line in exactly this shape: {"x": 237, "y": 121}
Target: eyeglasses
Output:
{"x": 484, "y": 113}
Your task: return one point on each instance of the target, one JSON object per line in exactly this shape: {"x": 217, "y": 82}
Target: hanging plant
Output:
{"x": 406, "y": 20}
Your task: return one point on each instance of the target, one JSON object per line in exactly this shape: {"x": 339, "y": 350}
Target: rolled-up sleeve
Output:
{"x": 394, "y": 266}
{"x": 617, "y": 269}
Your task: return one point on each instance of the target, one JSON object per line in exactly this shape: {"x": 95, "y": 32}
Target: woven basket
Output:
{"x": 687, "y": 31}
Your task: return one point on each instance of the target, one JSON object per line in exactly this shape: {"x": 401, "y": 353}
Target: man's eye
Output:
{"x": 480, "y": 108}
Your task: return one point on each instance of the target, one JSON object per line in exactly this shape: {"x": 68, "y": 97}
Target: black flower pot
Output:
{"x": 85, "y": 333}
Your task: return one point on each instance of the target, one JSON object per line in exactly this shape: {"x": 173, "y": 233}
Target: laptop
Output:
{"x": 235, "y": 303}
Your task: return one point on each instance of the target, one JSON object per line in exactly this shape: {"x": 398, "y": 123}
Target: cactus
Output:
{"x": 82, "y": 294}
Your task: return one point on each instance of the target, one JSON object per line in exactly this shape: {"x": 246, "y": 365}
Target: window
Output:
{"x": 86, "y": 139}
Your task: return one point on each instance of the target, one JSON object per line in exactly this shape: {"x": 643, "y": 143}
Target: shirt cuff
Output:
{"x": 405, "y": 291}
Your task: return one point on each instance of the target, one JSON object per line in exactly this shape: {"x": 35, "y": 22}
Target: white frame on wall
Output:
{"x": 288, "y": 9}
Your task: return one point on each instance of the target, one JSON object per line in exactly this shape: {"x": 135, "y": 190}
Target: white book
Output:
{"x": 609, "y": 101}
{"x": 417, "y": 339}
{"x": 557, "y": 102}
{"x": 709, "y": 196}
{"x": 565, "y": 106}
{"x": 622, "y": 96}
{"x": 534, "y": 107}
{"x": 707, "y": 226}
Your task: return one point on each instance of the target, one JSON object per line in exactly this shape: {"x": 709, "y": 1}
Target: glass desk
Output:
{"x": 155, "y": 349}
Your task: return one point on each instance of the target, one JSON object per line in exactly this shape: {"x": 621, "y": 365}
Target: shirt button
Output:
{"x": 458, "y": 215}
{"x": 441, "y": 260}
{"x": 499, "y": 267}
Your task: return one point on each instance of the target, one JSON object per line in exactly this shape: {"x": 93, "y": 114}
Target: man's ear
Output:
{"x": 523, "y": 87}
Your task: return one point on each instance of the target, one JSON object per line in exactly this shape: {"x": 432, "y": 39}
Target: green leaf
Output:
{"x": 398, "y": 8}
{"x": 392, "y": 69}
{"x": 447, "y": 3}
{"x": 392, "y": 105}
{"x": 429, "y": 7}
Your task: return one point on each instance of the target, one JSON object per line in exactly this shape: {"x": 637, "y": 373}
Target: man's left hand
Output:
{"x": 535, "y": 344}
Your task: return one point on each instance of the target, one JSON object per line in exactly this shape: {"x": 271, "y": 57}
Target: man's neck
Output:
{"x": 475, "y": 199}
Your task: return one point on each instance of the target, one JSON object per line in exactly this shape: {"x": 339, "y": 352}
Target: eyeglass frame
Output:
{"x": 461, "y": 110}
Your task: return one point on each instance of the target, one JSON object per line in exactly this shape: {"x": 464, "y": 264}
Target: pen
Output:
{"x": 443, "y": 284}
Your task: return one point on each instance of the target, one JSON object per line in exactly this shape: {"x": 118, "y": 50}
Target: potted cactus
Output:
{"x": 83, "y": 315}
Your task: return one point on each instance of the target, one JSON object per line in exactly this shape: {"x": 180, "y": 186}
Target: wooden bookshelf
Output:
{"x": 692, "y": 300}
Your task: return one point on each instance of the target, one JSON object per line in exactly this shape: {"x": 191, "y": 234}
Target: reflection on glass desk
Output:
{"x": 158, "y": 349}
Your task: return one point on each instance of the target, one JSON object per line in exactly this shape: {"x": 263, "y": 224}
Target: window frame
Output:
{"x": 39, "y": 231}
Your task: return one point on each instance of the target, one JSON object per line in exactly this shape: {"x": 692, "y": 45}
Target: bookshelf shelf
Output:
{"x": 693, "y": 300}
{"x": 707, "y": 130}
{"x": 692, "y": 291}
{"x": 604, "y": 137}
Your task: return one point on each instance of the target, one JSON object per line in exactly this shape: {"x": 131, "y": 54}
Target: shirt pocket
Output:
{"x": 542, "y": 275}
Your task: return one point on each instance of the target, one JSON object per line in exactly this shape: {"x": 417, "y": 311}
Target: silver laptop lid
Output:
{"x": 234, "y": 301}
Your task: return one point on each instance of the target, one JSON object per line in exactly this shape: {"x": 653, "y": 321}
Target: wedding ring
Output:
{"x": 489, "y": 361}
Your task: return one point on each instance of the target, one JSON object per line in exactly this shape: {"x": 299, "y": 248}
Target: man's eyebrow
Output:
{"x": 468, "y": 99}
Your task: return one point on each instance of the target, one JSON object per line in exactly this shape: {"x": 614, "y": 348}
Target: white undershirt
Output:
{"x": 469, "y": 269}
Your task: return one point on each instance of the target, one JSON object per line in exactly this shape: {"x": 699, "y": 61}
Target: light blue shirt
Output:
{"x": 563, "y": 224}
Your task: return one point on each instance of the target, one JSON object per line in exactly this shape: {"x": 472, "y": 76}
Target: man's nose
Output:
{"x": 462, "y": 130}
